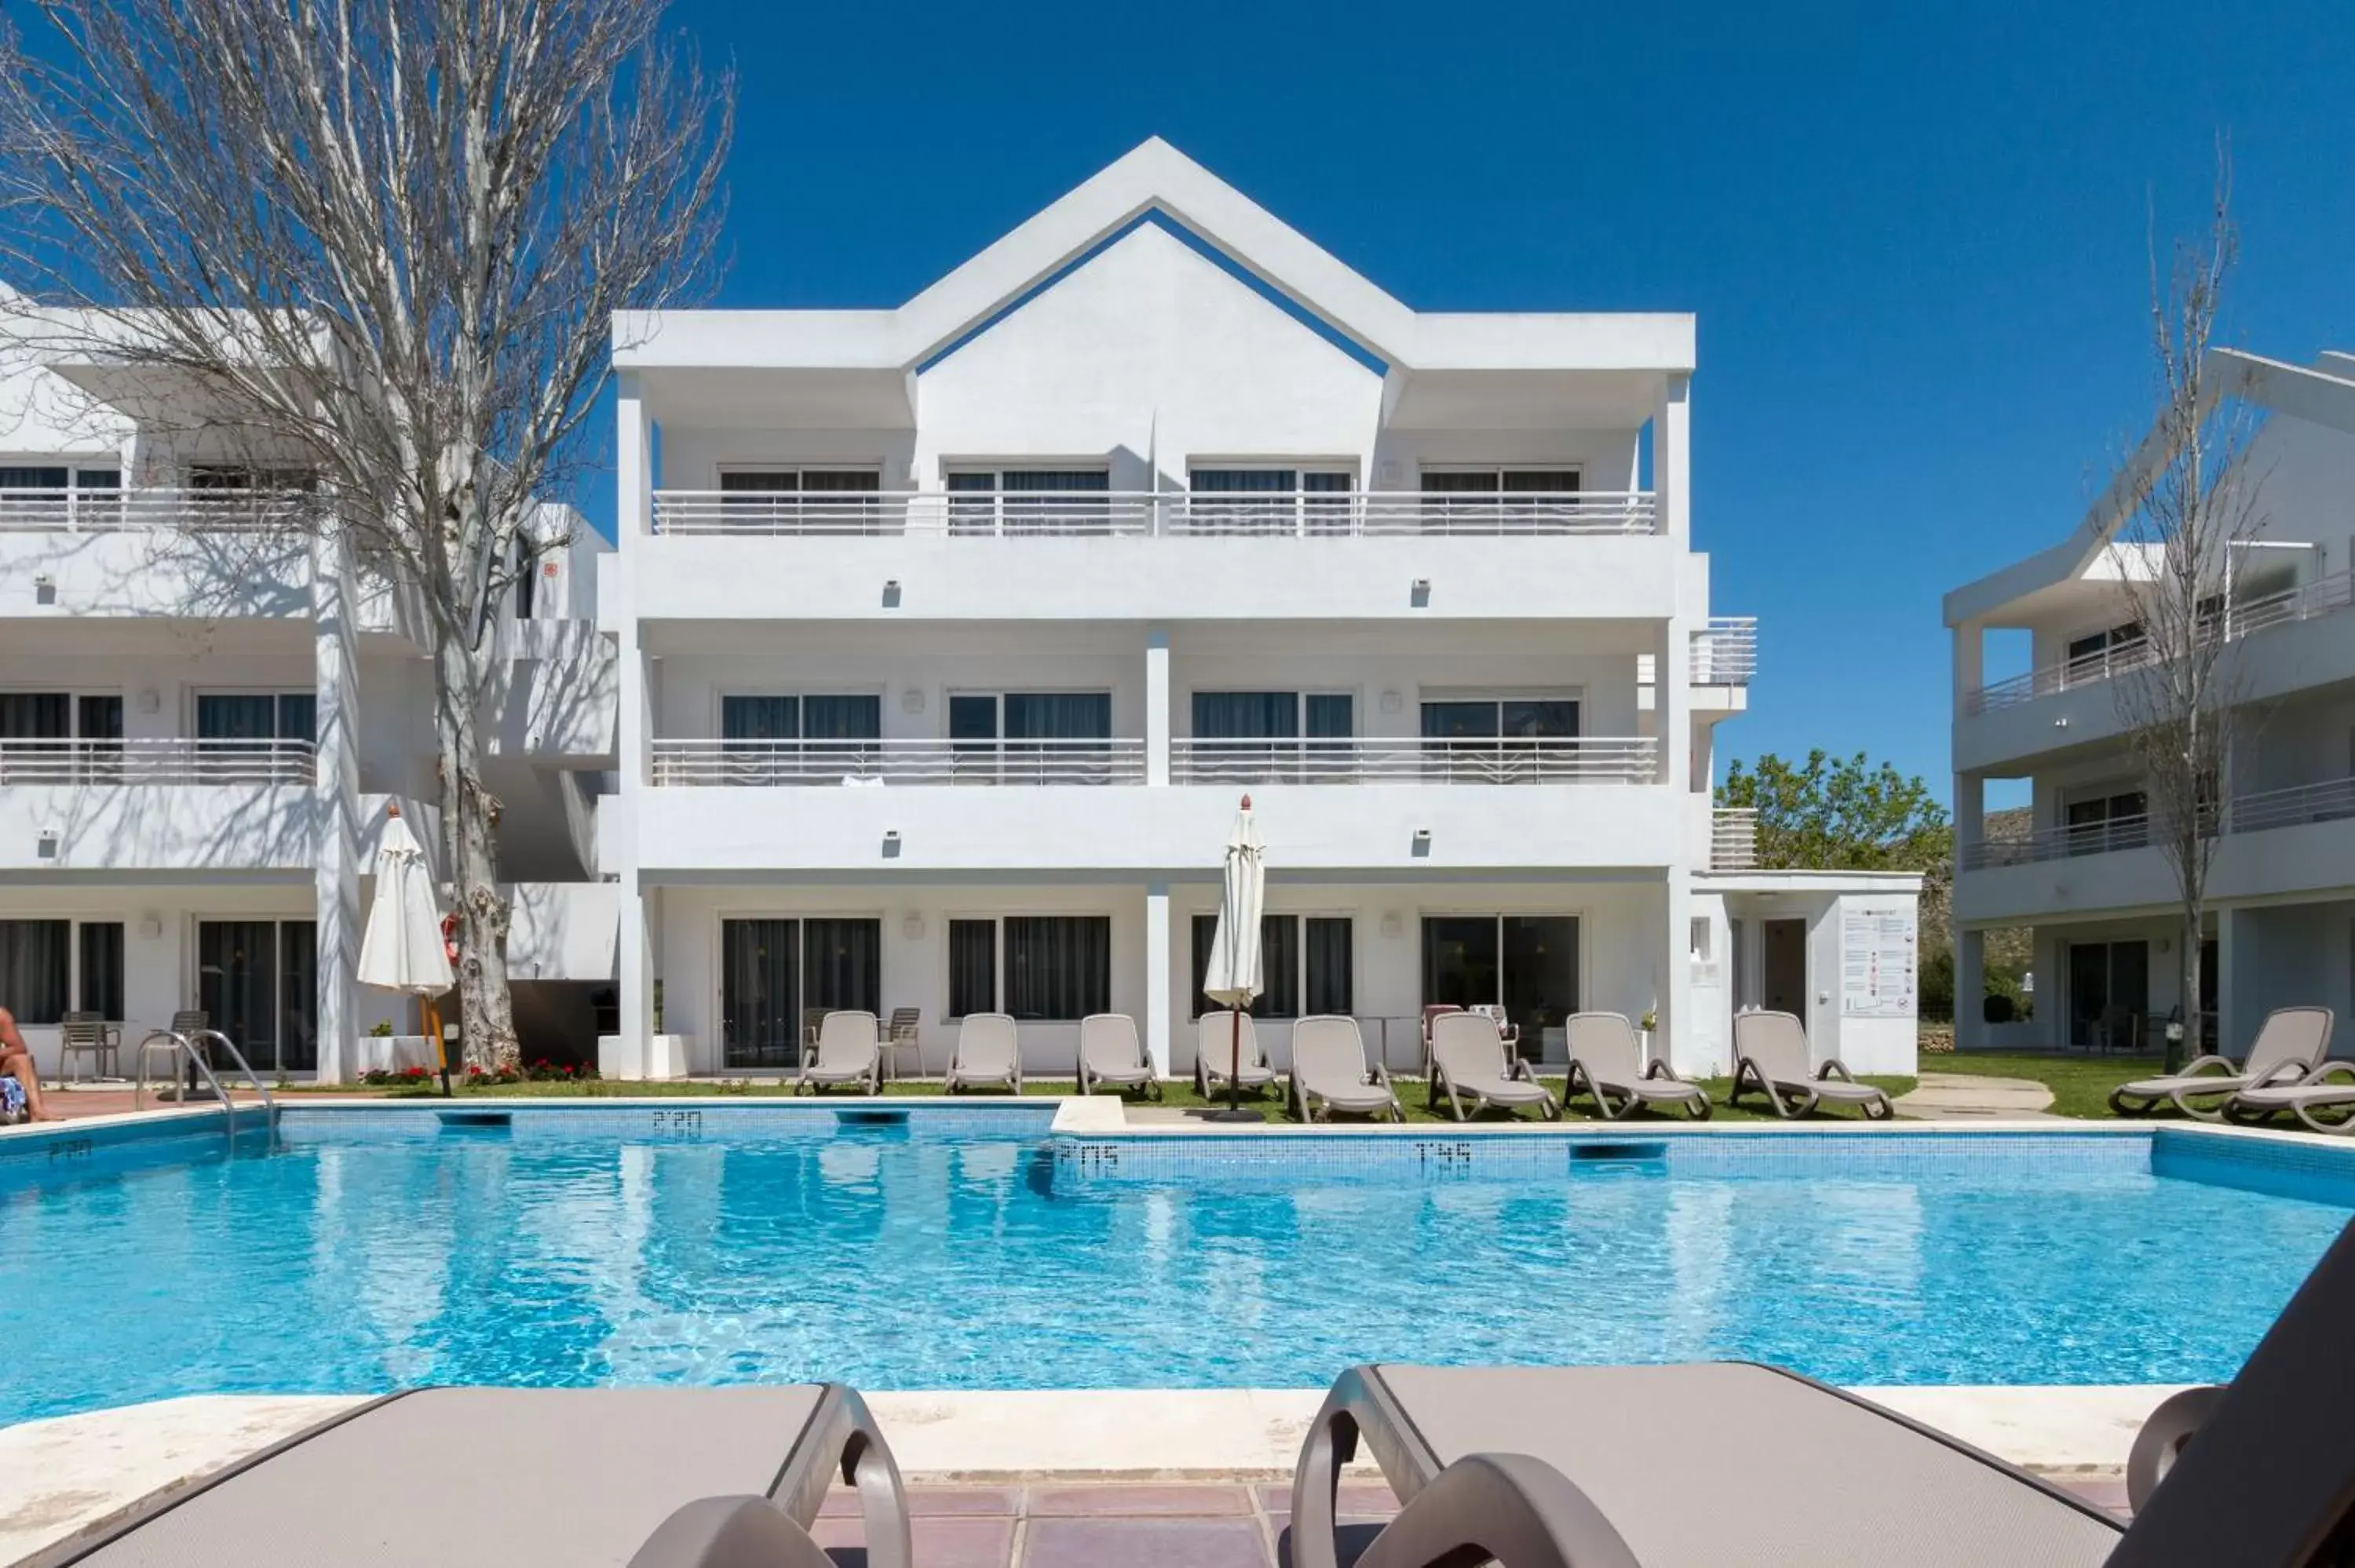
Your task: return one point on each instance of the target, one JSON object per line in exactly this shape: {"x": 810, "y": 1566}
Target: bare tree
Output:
{"x": 388, "y": 237}
{"x": 2192, "y": 503}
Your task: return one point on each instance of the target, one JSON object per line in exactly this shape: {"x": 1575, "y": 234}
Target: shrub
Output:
{"x": 1997, "y": 1009}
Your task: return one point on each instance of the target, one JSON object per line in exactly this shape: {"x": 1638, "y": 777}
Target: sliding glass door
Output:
{"x": 257, "y": 981}
{"x": 775, "y": 974}
{"x": 1527, "y": 964}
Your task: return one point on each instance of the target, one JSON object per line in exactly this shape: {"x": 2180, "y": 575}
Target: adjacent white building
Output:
{"x": 2086, "y": 876}
{"x": 202, "y": 725}
{"x": 948, "y": 636}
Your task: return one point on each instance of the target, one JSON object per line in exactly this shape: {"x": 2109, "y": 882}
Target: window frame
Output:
{"x": 800, "y": 920}
{"x": 1201, "y": 927}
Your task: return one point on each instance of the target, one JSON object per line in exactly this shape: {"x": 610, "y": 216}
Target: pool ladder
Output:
{"x": 176, "y": 1044}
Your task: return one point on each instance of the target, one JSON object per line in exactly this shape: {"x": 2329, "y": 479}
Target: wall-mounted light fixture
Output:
{"x": 1393, "y": 703}
{"x": 44, "y": 589}
{"x": 1419, "y": 594}
{"x": 46, "y": 845}
{"x": 151, "y": 926}
{"x": 892, "y": 843}
{"x": 1393, "y": 924}
{"x": 912, "y": 928}
{"x": 912, "y": 700}
{"x": 891, "y": 594}
{"x": 151, "y": 701}
{"x": 1422, "y": 843}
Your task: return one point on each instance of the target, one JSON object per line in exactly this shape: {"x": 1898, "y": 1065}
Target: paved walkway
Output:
{"x": 1970, "y": 1097}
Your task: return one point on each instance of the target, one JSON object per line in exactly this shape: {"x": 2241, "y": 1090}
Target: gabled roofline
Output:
{"x": 2320, "y": 396}
{"x": 1153, "y": 177}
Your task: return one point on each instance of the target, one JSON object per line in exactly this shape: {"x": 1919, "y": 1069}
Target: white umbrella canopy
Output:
{"x": 1234, "y": 977}
{"x": 402, "y": 949}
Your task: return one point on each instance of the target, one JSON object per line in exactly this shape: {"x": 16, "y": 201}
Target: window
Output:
{"x": 777, "y": 976}
{"x": 973, "y": 967}
{"x": 57, "y": 496}
{"x": 2110, "y": 821}
{"x": 1500, "y": 740}
{"x": 257, "y": 981}
{"x": 87, "y": 733}
{"x": 2109, "y": 993}
{"x": 1269, "y": 500}
{"x": 1500, "y": 482}
{"x": 1526, "y": 963}
{"x": 257, "y": 716}
{"x": 1030, "y": 501}
{"x": 99, "y": 987}
{"x": 804, "y": 500}
{"x": 1253, "y": 715}
{"x": 35, "y": 960}
{"x": 2091, "y": 656}
{"x": 1058, "y": 966}
{"x": 1305, "y": 965}
{"x": 811, "y": 738}
{"x": 1030, "y": 737}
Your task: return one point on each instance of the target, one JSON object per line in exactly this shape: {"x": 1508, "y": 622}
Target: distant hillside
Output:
{"x": 2012, "y": 822}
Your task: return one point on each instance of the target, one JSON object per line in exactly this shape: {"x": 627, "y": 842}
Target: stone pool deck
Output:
{"x": 1013, "y": 1479}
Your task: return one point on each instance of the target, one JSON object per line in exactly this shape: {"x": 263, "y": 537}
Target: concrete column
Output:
{"x": 1672, "y": 458}
{"x": 634, "y": 477}
{"x": 1970, "y": 990}
{"x": 1156, "y": 704}
{"x": 2240, "y": 1007}
{"x": 1158, "y": 1000}
{"x": 335, "y": 805}
{"x": 1970, "y": 662}
{"x": 1672, "y": 703}
{"x": 1675, "y": 1037}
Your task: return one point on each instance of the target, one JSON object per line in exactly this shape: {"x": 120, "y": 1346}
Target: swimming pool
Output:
{"x": 973, "y": 1250}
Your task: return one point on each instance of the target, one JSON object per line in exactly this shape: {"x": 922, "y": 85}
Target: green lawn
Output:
{"x": 2080, "y": 1085}
{"x": 1412, "y": 1093}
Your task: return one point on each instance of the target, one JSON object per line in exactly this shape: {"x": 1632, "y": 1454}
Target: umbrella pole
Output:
{"x": 1235, "y": 1060}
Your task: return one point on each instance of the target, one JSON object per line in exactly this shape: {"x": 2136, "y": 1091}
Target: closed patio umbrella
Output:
{"x": 1234, "y": 977}
{"x": 402, "y": 949}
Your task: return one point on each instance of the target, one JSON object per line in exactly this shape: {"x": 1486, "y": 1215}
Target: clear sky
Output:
{"x": 1914, "y": 234}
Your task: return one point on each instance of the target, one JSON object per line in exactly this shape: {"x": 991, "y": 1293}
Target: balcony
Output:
{"x": 2331, "y": 801}
{"x": 157, "y": 805}
{"x": 43, "y": 511}
{"x": 157, "y": 762}
{"x": 800, "y": 763}
{"x": 2308, "y": 602}
{"x": 1413, "y": 760}
{"x": 1141, "y": 515}
{"x": 1733, "y": 838}
{"x": 1725, "y": 652}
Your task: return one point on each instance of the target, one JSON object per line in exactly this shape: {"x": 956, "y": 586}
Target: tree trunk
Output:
{"x": 2187, "y": 941}
{"x": 470, "y": 817}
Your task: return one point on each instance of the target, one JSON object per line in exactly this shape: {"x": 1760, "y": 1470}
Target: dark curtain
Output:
{"x": 1058, "y": 716}
{"x": 842, "y": 965}
{"x": 1331, "y": 968}
{"x": 1247, "y": 716}
{"x": 1279, "y": 955}
{"x": 1459, "y": 960}
{"x": 1243, "y": 480}
{"x": 237, "y": 984}
{"x": 1549, "y": 718}
{"x": 1332, "y": 715}
{"x": 35, "y": 715}
{"x": 1055, "y": 481}
{"x": 101, "y": 967}
{"x": 842, "y": 719}
{"x": 1481, "y": 483}
{"x": 33, "y": 965}
{"x": 973, "y": 967}
{"x": 760, "y": 1011}
{"x": 1058, "y": 965}
{"x": 1541, "y": 975}
{"x": 237, "y": 715}
{"x": 298, "y": 999}
{"x": 760, "y": 718}
{"x": 101, "y": 718}
{"x": 298, "y": 717}
{"x": 1541, "y": 481}
{"x": 1459, "y": 721}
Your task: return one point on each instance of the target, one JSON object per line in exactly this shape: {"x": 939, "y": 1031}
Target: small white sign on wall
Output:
{"x": 1877, "y": 961}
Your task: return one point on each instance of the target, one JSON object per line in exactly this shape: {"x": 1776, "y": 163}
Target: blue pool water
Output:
{"x": 923, "y": 1256}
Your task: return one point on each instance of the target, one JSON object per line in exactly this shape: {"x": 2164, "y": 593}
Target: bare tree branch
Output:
{"x": 381, "y": 242}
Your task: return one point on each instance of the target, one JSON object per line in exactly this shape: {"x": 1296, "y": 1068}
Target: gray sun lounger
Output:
{"x": 2293, "y": 1043}
{"x": 1606, "y": 1063}
{"x": 1329, "y": 1070}
{"x": 1214, "y": 1053}
{"x": 1111, "y": 1053}
{"x": 1770, "y": 1057}
{"x": 2329, "y": 1088}
{"x": 1678, "y": 1467}
{"x": 849, "y": 1050}
{"x": 509, "y": 1478}
{"x": 988, "y": 1050}
{"x": 1468, "y": 1060}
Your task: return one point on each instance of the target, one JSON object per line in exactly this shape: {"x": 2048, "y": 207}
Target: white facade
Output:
{"x": 2098, "y": 891}
{"x": 202, "y": 725}
{"x": 949, "y": 636}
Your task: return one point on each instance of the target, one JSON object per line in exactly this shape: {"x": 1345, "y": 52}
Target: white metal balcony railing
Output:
{"x": 814, "y": 763}
{"x": 2323, "y": 596}
{"x": 1733, "y": 838}
{"x": 164, "y": 762}
{"x": 1725, "y": 652}
{"x": 2299, "y": 805}
{"x": 2330, "y": 800}
{"x": 1414, "y": 759}
{"x": 1114, "y": 514}
{"x": 117, "y": 511}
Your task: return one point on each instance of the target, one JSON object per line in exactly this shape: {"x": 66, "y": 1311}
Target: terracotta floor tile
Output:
{"x": 938, "y": 1543}
{"x": 1356, "y": 1500}
{"x": 1145, "y": 1543}
{"x": 1175, "y": 1501}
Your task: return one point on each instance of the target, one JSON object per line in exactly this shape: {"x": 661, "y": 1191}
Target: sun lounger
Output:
{"x": 988, "y": 1050}
{"x": 1606, "y": 1063}
{"x": 2293, "y": 1043}
{"x": 1328, "y": 1069}
{"x": 1111, "y": 1053}
{"x": 1770, "y": 1057}
{"x": 1468, "y": 1060}
{"x": 1214, "y": 1052}
{"x": 473, "y": 1478}
{"x": 849, "y": 1050}
{"x": 2329, "y": 1088}
{"x": 1676, "y": 1467}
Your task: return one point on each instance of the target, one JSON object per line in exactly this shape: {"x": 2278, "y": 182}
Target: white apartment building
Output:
{"x": 2087, "y": 876}
{"x": 202, "y": 726}
{"x": 949, "y": 635}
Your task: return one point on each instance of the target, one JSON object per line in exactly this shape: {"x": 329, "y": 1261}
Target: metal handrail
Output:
{"x": 46, "y": 510}
{"x": 1415, "y": 759}
{"x": 161, "y": 760}
{"x": 171, "y": 1041}
{"x": 1153, "y": 514}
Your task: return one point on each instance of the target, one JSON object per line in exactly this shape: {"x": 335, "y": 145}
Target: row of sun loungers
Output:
{"x": 1650, "y": 1467}
{"x": 2287, "y": 1072}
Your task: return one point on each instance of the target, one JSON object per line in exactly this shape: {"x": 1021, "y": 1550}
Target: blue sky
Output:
{"x": 1915, "y": 236}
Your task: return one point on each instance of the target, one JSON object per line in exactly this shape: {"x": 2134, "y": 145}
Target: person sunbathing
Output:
{"x": 16, "y": 1062}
